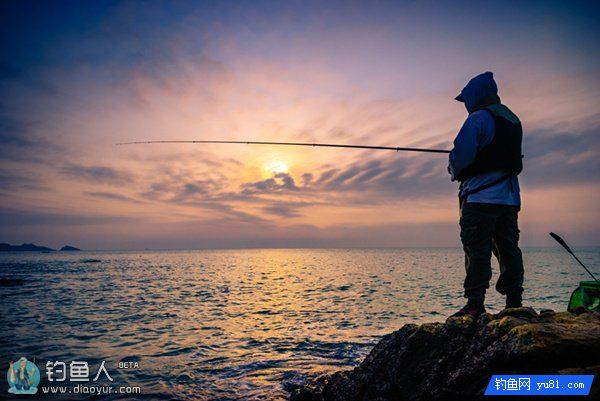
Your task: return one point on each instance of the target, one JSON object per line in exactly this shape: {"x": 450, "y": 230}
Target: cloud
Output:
{"x": 211, "y": 194}
{"x": 555, "y": 156}
{"x": 286, "y": 209}
{"x": 195, "y": 189}
{"x": 11, "y": 182}
{"x": 19, "y": 143}
{"x": 111, "y": 196}
{"x": 11, "y": 134}
{"x": 102, "y": 174}
{"x": 281, "y": 182}
{"x": 231, "y": 213}
{"x": 178, "y": 188}
{"x": 11, "y": 217}
{"x": 327, "y": 175}
{"x": 381, "y": 180}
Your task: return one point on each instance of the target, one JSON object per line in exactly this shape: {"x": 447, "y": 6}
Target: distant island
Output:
{"x": 33, "y": 248}
{"x": 24, "y": 247}
{"x": 69, "y": 248}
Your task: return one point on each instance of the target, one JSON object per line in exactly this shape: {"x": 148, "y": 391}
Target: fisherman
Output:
{"x": 486, "y": 160}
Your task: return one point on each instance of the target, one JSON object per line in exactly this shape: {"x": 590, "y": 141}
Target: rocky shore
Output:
{"x": 455, "y": 359}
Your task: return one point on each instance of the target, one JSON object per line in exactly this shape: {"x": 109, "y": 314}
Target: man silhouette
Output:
{"x": 486, "y": 160}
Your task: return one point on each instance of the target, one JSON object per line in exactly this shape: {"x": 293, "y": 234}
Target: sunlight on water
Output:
{"x": 240, "y": 324}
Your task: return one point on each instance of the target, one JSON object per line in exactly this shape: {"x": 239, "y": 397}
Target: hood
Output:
{"x": 481, "y": 91}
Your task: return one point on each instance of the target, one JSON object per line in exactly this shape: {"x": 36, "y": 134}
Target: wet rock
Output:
{"x": 455, "y": 359}
{"x": 517, "y": 312}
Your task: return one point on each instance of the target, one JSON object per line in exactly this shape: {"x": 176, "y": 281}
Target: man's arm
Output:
{"x": 466, "y": 145}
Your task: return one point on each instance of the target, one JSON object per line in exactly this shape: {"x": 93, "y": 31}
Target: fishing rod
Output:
{"x": 564, "y": 245}
{"x": 323, "y": 145}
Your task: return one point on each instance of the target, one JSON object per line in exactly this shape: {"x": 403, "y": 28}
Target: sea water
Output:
{"x": 235, "y": 324}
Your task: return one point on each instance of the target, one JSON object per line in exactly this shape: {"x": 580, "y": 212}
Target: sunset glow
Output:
{"x": 338, "y": 74}
{"x": 276, "y": 167}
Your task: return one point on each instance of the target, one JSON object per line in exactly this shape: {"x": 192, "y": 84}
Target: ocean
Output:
{"x": 234, "y": 324}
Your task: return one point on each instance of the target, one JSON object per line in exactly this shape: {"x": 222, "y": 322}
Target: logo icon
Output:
{"x": 23, "y": 377}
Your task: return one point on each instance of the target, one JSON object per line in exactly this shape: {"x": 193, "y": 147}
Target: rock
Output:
{"x": 517, "y": 312}
{"x": 455, "y": 359}
{"x": 69, "y": 248}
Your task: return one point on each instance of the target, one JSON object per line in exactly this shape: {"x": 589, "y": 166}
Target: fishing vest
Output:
{"x": 504, "y": 151}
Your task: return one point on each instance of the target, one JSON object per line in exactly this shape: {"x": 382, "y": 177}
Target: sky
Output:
{"x": 78, "y": 77}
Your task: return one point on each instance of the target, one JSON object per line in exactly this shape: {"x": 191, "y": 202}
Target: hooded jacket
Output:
{"x": 481, "y": 100}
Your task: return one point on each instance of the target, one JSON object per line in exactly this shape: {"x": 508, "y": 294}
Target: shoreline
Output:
{"x": 455, "y": 359}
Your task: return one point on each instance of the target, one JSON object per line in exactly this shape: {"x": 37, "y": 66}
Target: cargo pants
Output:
{"x": 485, "y": 229}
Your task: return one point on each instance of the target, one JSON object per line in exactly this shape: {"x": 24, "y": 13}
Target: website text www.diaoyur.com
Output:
{"x": 91, "y": 390}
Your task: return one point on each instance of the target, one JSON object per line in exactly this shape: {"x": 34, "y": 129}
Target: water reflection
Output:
{"x": 239, "y": 323}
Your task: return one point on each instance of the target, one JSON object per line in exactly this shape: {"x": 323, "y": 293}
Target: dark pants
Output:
{"x": 487, "y": 228}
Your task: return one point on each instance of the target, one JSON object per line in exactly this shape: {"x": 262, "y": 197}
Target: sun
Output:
{"x": 276, "y": 167}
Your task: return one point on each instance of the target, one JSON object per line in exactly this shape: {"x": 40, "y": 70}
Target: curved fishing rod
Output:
{"x": 326, "y": 145}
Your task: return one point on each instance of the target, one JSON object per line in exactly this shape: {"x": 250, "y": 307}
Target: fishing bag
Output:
{"x": 587, "y": 295}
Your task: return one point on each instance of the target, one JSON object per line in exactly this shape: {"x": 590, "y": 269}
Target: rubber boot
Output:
{"x": 514, "y": 299}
